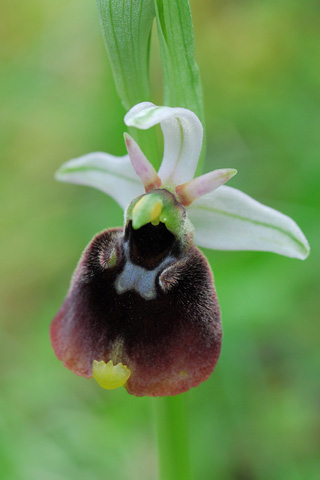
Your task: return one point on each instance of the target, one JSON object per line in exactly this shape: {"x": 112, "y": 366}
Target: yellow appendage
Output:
{"x": 110, "y": 376}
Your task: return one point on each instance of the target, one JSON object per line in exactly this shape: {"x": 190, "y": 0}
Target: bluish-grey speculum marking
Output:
{"x": 139, "y": 279}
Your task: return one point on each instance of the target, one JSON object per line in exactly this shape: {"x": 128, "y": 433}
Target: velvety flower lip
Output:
{"x": 224, "y": 217}
{"x": 142, "y": 299}
{"x": 142, "y": 309}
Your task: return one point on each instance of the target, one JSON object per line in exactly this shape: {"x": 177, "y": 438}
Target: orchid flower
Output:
{"x": 142, "y": 310}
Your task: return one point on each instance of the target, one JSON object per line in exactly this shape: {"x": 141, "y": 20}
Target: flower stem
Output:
{"x": 173, "y": 441}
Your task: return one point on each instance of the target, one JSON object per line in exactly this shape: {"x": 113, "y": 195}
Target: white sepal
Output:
{"x": 228, "y": 219}
{"x": 113, "y": 175}
{"x": 182, "y": 131}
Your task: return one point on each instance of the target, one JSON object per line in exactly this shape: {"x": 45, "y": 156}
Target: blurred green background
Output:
{"x": 257, "y": 417}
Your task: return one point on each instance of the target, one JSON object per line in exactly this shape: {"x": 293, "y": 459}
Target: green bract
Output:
{"x": 181, "y": 75}
{"x": 126, "y": 27}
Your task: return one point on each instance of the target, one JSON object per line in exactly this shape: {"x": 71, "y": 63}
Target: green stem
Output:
{"x": 173, "y": 441}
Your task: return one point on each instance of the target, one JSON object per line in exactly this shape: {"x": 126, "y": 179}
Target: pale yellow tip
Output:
{"x": 157, "y": 209}
{"x": 110, "y": 376}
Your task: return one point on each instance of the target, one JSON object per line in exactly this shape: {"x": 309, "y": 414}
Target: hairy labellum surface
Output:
{"x": 146, "y": 299}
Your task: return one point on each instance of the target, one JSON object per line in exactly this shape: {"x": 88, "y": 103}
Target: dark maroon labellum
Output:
{"x": 144, "y": 298}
